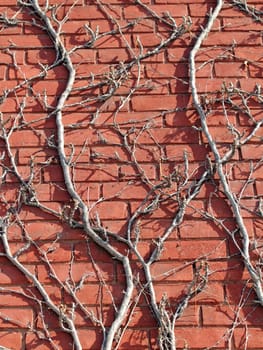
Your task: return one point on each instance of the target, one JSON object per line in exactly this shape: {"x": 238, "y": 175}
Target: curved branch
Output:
{"x": 218, "y": 160}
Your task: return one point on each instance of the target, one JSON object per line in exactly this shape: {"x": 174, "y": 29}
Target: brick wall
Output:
{"x": 120, "y": 147}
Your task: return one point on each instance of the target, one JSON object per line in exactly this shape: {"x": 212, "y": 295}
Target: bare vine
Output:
{"x": 172, "y": 194}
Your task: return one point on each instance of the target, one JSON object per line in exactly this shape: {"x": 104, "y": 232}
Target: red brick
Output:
{"x": 77, "y": 272}
{"x": 208, "y": 317}
{"x": 59, "y": 339}
{"x": 52, "y": 88}
{"x": 150, "y": 229}
{"x": 220, "y": 134}
{"x": 242, "y": 171}
{"x": 24, "y": 172}
{"x": 241, "y": 188}
{"x": 232, "y": 270}
{"x": 9, "y": 105}
{"x": 31, "y": 105}
{"x": 90, "y": 191}
{"x": 170, "y": 290}
{"x": 168, "y": 136}
{"x": 184, "y": 250}
{"x": 97, "y": 173}
{"x": 94, "y": 12}
{"x": 232, "y": 11}
{"x": 3, "y": 73}
{"x": 200, "y": 229}
{"x": 16, "y": 318}
{"x": 90, "y": 294}
{"x": 196, "y": 337}
{"x": 249, "y": 208}
{"x": 32, "y": 213}
{"x": 259, "y": 188}
{"x": 108, "y": 154}
{"x": 129, "y": 172}
{"x": 58, "y": 252}
{"x": 194, "y": 152}
{"x": 221, "y": 118}
{"x": 213, "y": 85}
{"x": 142, "y": 317}
{"x": 230, "y": 69}
{"x": 255, "y": 71}
{"x": 154, "y": 103}
{"x": 175, "y": 1}
{"x": 178, "y": 55}
{"x": 89, "y": 339}
{"x": 82, "y": 174}
{"x": 11, "y": 340}
{"x": 10, "y": 191}
{"x": 236, "y": 291}
{"x": 114, "y": 55}
{"x": 249, "y": 84}
{"x": 10, "y": 2}
{"x": 179, "y": 86}
{"x": 166, "y": 70}
{"x": 228, "y": 38}
{"x": 110, "y": 210}
{"x": 253, "y": 54}
{"x": 139, "y": 12}
{"x": 124, "y": 191}
{"x": 83, "y": 56}
{"x": 40, "y": 155}
{"x": 252, "y": 341}
{"x": 10, "y": 275}
{"x": 135, "y": 338}
{"x": 156, "y": 86}
{"x": 39, "y": 120}
{"x": 14, "y": 297}
{"x": 147, "y": 40}
{"x": 220, "y": 315}
{"x": 111, "y": 42}
{"x": 28, "y": 41}
{"x": 51, "y": 230}
{"x": 86, "y": 70}
{"x": 43, "y": 55}
{"x": 213, "y": 293}
{"x": 171, "y": 272}
{"x": 240, "y": 23}
{"x": 144, "y": 26}
{"x": 7, "y": 58}
{"x": 200, "y": 10}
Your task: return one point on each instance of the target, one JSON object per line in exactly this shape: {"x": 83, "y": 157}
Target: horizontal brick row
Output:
{"x": 160, "y": 120}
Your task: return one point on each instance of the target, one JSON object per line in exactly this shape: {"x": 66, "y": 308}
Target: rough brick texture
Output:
{"x": 162, "y": 126}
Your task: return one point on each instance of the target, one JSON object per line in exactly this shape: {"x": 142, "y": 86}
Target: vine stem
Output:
{"x": 218, "y": 160}
{"x": 64, "y": 57}
{"x": 64, "y": 319}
